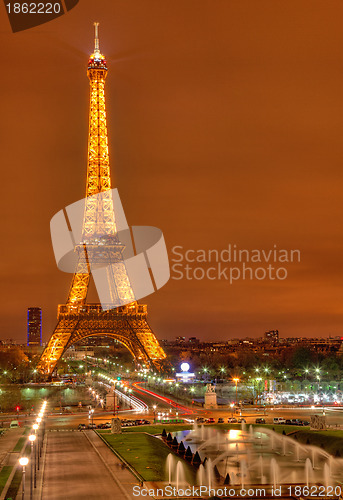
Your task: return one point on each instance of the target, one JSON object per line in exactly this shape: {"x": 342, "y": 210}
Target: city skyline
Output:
{"x": 232, "y": 139}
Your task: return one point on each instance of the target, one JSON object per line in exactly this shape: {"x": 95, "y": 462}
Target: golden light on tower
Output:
{"x": 99, "y": 217}
{"x": 76, "y": 319}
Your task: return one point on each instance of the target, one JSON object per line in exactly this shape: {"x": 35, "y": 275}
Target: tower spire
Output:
{"x": 96, "y": 40}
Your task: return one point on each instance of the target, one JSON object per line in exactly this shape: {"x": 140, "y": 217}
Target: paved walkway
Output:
{"x": 78, "y": 465}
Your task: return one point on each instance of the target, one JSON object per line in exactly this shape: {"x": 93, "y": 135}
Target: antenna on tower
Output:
{"x": 96, "y": 41}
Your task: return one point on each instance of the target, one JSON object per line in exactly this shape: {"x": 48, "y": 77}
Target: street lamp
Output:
{"x": 39, "y": 444}
{"x": 154, "y": 407}
{"x": 91, "y": 411}
{"x": 23, "y": 462}
{"x": 32, "y": 439}
{"x": 35, "y": 427}
{"x": 236, "y": 380}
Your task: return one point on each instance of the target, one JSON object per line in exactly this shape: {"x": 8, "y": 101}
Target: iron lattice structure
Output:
{"x": 77, "y": 319}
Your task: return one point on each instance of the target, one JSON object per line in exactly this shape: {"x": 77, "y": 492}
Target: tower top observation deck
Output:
{"x": 97, "y": 60}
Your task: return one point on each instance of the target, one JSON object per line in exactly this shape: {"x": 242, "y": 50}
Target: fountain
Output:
{"x": 209, "y": 473}
{"x": 201, "y": 475}
{"x": 327, "y": 475}
{"x": 243, "y": 471}
{"x": 256, "y": 456}
{"x": 170, "y": 466}
{"x": 274, "y": 469}
{"x": 218, "y": 440}
{"x": 284, "y": 447}
{"x": 260, "y": 461}
{"x": 308, "y": 471}
{"x": 180, "y": 475}
{"x": 175, "y": 471}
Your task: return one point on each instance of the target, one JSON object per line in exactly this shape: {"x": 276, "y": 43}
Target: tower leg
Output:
{"x": 128, "y": 325}
{"x": 56, "y": 346}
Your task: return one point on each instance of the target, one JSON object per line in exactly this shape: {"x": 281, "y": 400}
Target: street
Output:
{"x": 75, "y": 468}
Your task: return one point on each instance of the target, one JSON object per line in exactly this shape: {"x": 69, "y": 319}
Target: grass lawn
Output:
{"x": 4, "y": 475}
{"x": 145, "y": 453}
{"x": 280, "y": 428}
{"x": 14, "y": 486}
{"x": 330, "y": 441}
{"x": 20, "y": 443}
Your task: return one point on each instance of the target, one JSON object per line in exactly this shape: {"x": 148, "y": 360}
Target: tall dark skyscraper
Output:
{"x": 34, "y": 326}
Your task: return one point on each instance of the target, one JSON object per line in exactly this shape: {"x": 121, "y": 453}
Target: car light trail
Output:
{"x": 136, "y": 403}
{"x": 162, "y": 398}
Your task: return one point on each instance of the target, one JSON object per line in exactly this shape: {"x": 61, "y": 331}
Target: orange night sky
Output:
{"x": 225, "y": 127}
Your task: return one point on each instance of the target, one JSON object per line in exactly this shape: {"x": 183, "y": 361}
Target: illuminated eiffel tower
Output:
{"x": 78, "y": 319}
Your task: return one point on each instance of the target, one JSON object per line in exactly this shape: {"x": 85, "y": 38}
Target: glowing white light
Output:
{"x": 185, "y": 367}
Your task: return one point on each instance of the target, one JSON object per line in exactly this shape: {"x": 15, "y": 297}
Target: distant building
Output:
{"x": 272, "y": 336}
{"x": 194, "y": 340}
{"x": 98, "y": 341}
{"x": 233, "y": 342}
{"x": 8, "y": 342}
{"x": 180, "y": 340}
{"x": 78, "y": 353}
{"x": 34, "y": 326}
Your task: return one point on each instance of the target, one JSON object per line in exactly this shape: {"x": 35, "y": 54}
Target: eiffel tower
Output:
{"x": 77, "y": 319}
